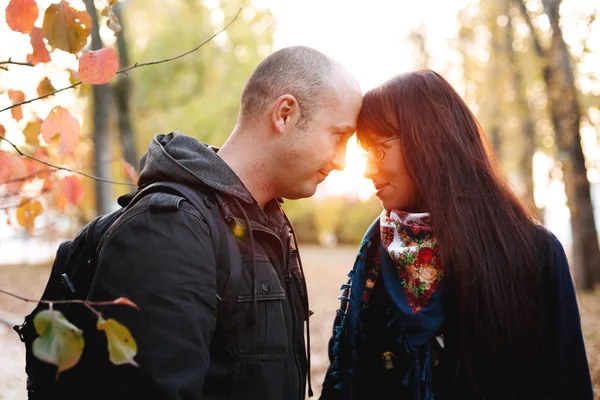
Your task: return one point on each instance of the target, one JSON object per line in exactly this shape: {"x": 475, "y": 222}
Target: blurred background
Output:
{"x": 529, "y": 69}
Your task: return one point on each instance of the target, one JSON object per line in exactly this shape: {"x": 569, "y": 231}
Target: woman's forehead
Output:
{"x": 368, "y": 138}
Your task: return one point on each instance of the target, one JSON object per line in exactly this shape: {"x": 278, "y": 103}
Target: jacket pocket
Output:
{"x": 264, "y": 337}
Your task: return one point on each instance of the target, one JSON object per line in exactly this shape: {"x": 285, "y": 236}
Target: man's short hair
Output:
{"x": 299, "y": 71}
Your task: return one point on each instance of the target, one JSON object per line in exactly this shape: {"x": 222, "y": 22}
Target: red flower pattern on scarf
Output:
{"x": 416, "y": 254}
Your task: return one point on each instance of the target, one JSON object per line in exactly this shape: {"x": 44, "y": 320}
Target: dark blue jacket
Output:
{"x": 356, "y": 374}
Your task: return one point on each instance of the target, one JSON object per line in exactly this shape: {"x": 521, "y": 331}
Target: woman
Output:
{"x": 457, "y": 292}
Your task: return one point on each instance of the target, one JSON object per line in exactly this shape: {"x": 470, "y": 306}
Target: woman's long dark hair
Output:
{"x": 488, "y": 241}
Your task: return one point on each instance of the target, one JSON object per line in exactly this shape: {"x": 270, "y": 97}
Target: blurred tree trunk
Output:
{"x": 524, "y": 113}
{"x": 121, "y": 92}
{"x": 101, "y": 104}
{"x": 493, "y": 118}
{"x": 566, "y": 119}
{"x": 494, "y": 99}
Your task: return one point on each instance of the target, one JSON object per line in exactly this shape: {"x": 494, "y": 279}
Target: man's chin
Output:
{"x": 302, "y": 192}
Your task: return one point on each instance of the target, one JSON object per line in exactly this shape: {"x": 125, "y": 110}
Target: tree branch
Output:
{"x": 87, "y": 303}
{"x": 22, "y": 201}
{"x": 64, "y": 168}
{"x": 136, "y": 65}
{"x": 536, "y": 43}
{"x": 48, "y": 172}
{"x": 41, "y": 97}
{"x": 10, "y": 61}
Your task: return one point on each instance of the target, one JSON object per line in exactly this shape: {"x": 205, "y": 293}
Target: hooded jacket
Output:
{"x": 160, "y": 256}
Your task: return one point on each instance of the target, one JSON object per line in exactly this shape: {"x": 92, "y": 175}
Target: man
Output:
{"x": 298, "y": 110}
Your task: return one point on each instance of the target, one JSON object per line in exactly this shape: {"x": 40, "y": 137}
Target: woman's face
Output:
{"x": 395, "y": 188}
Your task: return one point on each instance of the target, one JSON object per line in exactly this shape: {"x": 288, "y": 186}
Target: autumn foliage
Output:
{"x": 41, "y": 145}
{"x": 52, "y": 138}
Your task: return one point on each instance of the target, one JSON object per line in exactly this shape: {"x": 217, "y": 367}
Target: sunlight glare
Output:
{"x": 350, "y": 182}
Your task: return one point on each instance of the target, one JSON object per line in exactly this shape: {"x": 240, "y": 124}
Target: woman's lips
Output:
{"x": 380, "y": 188}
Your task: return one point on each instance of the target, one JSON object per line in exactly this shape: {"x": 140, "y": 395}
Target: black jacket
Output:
{"x": 161, "y": 257}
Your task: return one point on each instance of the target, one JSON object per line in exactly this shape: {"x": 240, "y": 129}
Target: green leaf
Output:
{"x": 60, "y": 342}
{"x": 121, "y": 345}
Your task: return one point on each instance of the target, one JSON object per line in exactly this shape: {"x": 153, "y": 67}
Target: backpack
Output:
{"x": 74, "y": 269}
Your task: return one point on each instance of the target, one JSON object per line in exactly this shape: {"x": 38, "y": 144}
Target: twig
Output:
{"x": 136, "y": 65}
{"x": 41, "y": 97}
{"x": 123, "y": 71}
{"x": 48, "y": 172}
{"x": 64, "y": 168}
{"x": 23, "y": 201}
{"x": 10, "y": 61}
{"x": 87, "y": 303}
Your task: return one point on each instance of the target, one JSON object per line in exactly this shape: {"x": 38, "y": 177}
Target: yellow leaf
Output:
{"x": 27, "y": 212}
{"x": 112, "y": 22}
{"x": 62, "y": 202}
{"x": 66, "y": 28}
{"x": 121, "y": 345}
{"x": 32, "y": 131}
{"x": 60, "y": 342}
{"x": 45, "y": 87}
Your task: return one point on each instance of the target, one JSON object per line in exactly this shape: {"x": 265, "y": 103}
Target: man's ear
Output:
{"x": 285, "y": 112}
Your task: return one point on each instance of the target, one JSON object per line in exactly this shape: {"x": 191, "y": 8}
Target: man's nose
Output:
{"x": 339, "y": 159}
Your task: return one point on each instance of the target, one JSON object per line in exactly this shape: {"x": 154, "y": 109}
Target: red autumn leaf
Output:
{"x": 16, "y": 113}
{"x": 6, "y": 166}
{"x": 66, "y": 28}
{"x": 16, "y": 96}
{"x": 41, "y": 153}
{"x": 98, "y": 67}
{"x": 61, "y": 122}
{"x": 40, "y": 52}
{"x": 130, "y": 172}
{"x": 2, "y": 130}
{"x": 19, "y": 172}
{"x": 125, "y": 301}
{"x": 21, "y": 15}
{"x": 72, "y": 188}
{"x": 48, "y": 184}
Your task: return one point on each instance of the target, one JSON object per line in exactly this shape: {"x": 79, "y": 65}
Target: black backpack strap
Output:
{"x": 227, "y": 254}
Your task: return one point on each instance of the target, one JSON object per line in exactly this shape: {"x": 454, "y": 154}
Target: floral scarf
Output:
{"x": 409, "y": 241}
{"x": 401, "y": 249}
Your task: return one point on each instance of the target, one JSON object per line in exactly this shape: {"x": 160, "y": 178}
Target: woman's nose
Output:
{"x": 370, "y": 169}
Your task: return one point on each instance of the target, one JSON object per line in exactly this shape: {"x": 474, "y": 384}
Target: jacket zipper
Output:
{"x": 287, "y": 275}
{"x": 288, "y": 278}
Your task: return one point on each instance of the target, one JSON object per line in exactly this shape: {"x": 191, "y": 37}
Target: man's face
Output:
{"x": 320, "y": 146}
